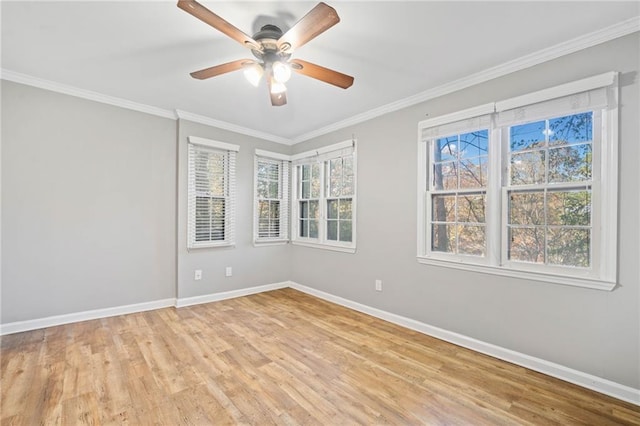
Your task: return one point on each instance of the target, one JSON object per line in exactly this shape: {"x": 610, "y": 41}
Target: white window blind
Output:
{"x": 271, "y": 206}
{"x": 211, "y": 193}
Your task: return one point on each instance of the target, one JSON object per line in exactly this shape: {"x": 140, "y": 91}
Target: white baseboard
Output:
{"x": 567, "y": 374}
{"x": 20, "y": 326}
{"x": 570, "y": 375}
{"x": 214, "y": 297}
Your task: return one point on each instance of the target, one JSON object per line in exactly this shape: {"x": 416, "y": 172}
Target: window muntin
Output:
{"x": 271, "y": 197}
{"x": 458, "y": 183}
{"x": 211, "y": 195}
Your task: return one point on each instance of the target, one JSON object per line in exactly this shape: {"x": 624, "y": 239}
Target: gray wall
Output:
{"x": 594, "y": 331}
{"x": 88, "y": 205}
{"x": 252, "y": 266}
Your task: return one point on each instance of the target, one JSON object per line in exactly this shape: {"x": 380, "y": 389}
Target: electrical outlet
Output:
{"x": 228, "y": 271}
{"x": 197, "y": 275}
{"x": 378, "y": 285}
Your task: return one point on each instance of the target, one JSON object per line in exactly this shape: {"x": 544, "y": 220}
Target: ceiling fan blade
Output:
{"x": 205, "y": 15}
{"x": 221, "y": 69}
{"x": 321, "y": 73}
{"x": 318, "y": 20}
{"x": 277, "y": 99}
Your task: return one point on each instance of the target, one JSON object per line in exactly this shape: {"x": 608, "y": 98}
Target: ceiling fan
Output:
{"x": 273, "y": 50}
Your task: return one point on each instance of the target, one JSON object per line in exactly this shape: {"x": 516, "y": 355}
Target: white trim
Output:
{"x": 598, "y": 384}
{"x": 184, "y": 115}
{"x": 215, "y": 297}
{"x": 589, "y": 381}
{"x": 464, "y": 114}
{"x": 506, "y": 271}
{"x": 324, "y": 149}
{"x": 578, "y": 86}
{"x": 324, "y": 246}
{"x": 53, "y": 86}
{"x": 603, "y": 35}
{"x": 272, "y": 155}
{"x": 34, "y": 324}
{"x": 213, "y": 144}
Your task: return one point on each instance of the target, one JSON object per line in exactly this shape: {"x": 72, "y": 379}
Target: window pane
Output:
{"x": 569, "y": 247}
{"x": 526, "y": 244}
{"x": 332, "y": 230}
{"x": 569, "y": 208}
{"x": 473, "y": 172}
{"x": 445, "y": 175}
{"x": 262, "y": 188}
{"x": 304, "y": 228}
{"x": 471, "y": 240}
{"x": 313, "y": 229}
{"x": 444, "y": 208}
{"x": 332, "y": 209}
{"x": 335, "y": 177}
{"x": 263, "y": 209}
{"x": 273, "y": 189}
{"x": 474, "y": 144}
{"x": 305, "y": 171}
{"x": 315, "y": 180}
{"x": 446, "y": 148}
{"x": 305, "y": 190}
{"x": 527, "y": 168}
{"x": 571, "y": 129}
{"x": 471, "y": 208}
{"x": 443, "y": 238}
{"x": 345, "y": 230}
{"x": 274, "y": 210}
{"x": 345, "y": 208}
{"x": 526, "y": 208}
{"x": 347, "y": 176}
{"x": 527, "y": 136}
{"x": 313, "y": 210}
{"x": 304, "y": 209}
{"x": 570, "y": 163}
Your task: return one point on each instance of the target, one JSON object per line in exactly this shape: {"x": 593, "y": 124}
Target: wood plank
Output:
{"x": 280, "y": 357}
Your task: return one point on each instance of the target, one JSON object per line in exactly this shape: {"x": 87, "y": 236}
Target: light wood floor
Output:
{"x": 281, "y": 357}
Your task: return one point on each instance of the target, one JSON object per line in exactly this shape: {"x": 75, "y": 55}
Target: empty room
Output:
{"x": 320, "y": 213}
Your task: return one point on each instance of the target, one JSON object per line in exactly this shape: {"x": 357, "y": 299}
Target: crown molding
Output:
{"x": 185, "y": 115}
{"x": 53, "y": 86}
{"x": 612, "y": 32}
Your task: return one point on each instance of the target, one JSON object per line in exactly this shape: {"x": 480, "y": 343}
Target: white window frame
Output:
{"x": 602, "y": 273}
{"x": 284, "y": 172}
{"x": 321, "y": 157}
{"x": 229, "y": 151}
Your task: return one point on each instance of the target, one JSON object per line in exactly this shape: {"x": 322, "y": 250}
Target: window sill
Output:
{"x": 209, "y": 246}
{"x": 325, "y": 247}
{"x": 267, "y": 243}
{"x": 584, "y": 282}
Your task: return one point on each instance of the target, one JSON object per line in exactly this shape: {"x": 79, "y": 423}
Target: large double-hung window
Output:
{"x": 525, "y": 187}
{"x": 324, "y": 188}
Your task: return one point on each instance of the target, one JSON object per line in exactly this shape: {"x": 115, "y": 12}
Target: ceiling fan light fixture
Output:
{"x": 281, "y": 72}
{"x": 277, "y": 88}
{"x": 253, "y": 73}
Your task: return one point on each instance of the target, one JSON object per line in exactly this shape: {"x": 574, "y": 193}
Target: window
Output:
{"x": 525, "y": 187}
{"x": 211, "y": 193}
{"x": 324, "y": 188}
{"x": 271, "y": 214}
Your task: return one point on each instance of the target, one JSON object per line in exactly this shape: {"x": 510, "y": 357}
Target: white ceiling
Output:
{"x": 143, "y": 52}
